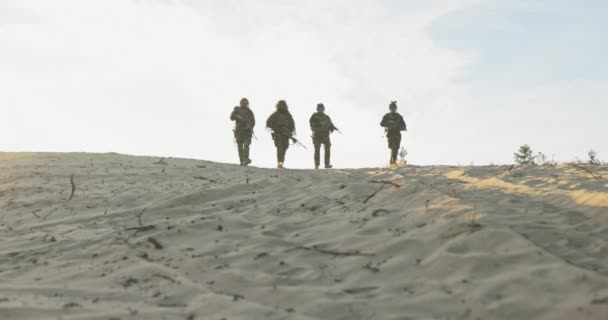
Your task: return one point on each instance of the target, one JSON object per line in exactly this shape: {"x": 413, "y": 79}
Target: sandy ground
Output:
{"x": 184, "y": 239}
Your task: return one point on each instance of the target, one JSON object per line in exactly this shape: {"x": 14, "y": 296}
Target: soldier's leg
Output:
{"x": 246, "y": 145}
{"x": 317, "y": 154}
{"x": 394, "y": 153}
{"x": 390, "y": 146}
{"x": 282, "y": 144}
{"x": 327, "y": 145}
{"x": 284, "y": 150}
{"x": 395, "y": 148}
{"x": 239, "y": 145}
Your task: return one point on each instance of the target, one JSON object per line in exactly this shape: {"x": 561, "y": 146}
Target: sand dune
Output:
{"x": 184, "y": 239}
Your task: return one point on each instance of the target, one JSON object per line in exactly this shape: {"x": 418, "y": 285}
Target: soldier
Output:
{"x": 393, "y": 124}
{"x": 321, "y": 127}
{"x": 283, "y": 128}
{"x": 243, "y": 131}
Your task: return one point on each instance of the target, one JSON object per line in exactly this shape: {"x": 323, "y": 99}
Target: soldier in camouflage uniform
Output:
{"x": 393, "y": 124}
{"x": 243, "y": 131}
{"x": 321, "y": 126}
{"x": 283, "y": 128}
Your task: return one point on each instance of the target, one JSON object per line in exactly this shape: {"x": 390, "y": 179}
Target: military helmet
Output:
{"x": 320, "y": 106}
{"x": 392, "y": 105}
{"x": 244, "y": 101}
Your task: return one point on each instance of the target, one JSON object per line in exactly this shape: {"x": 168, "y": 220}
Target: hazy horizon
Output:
{"x": 474, "y": 79}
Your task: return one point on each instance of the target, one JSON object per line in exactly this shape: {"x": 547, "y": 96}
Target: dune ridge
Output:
{"x": 187, "y": 239}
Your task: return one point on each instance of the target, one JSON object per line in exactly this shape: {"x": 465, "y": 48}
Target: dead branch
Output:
{"x": 139, "y": 216}
{"x": 158, "y": 275}
{"x": 377, "y": 212}
{"x": 582, "y": 168}
{"x": 172, "y": 305}
{"x": 34, "y": 213}
{"x": 73, "y": 187}
{"x": 374, "y": 194}
{"x": 49, "y": 214}
{"x": 474, "y": 225}
{"x": 386, "y": 182}
{"x": 142, "y": 228}
{"x": 235, "y": 297}
{"x": 334, "y": 253}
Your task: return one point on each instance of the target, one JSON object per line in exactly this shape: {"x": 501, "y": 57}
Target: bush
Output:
{"x": 524, "y": 155}
{"x": 402, "y": 155}
{"x": 542, "y": 160}
{"x": 593, "y": 157}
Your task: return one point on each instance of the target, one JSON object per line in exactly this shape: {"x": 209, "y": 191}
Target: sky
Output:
{"x": 474, "y": 79}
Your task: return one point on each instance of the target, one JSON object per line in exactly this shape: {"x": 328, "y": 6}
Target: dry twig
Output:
{"x": 34, "y": 213}
{"x": 474, "y": 225}
{"x": 73, "y": 187}
{"x": 139, "y": 216}
{"x": 235, "y": 297}
{"x": 49, "y": 214}
{"x": 334, "y": 253}
{"x": 582, "y": 168}
{"x": 374, "y": 194}
{"x": 142, "y": 228}
{"x": 165, "y": 277}
{"x": 386, "y": 182}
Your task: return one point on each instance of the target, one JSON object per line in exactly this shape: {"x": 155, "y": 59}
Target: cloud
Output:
{"x": 12, "y": 13}
{"x": 161, "y": 76}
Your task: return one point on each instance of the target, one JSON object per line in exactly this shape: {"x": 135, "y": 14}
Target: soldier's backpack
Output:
{"x": 392, "y": 124}
{"x": 323, "y": 122}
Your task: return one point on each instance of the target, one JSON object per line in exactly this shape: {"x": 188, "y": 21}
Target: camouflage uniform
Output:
{"x": 321, "y": 126}
{"x": 283, "y": 127}
{"x": 393, "y": 124}
{"x": 243, "y": 131}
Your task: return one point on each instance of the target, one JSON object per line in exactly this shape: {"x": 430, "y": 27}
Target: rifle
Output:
{"x": 250, "y": 126}
{"x": 295, "y": 141}
{"x": 298, "y": 143}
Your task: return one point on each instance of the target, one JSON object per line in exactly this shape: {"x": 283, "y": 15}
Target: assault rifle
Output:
{"x": 295, "y": 141}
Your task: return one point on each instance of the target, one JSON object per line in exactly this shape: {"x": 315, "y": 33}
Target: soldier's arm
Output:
{"x": 383, "y": 122}
{"x": 403, "y": 126}
{"x": 252, "y": 119}
{"x": 292, "y": 125}
{"x": 332, "y": 127}
{"x": 234, "y": 114}
{"x": 313, "y": 122}
{"x": 269, "y": 122}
